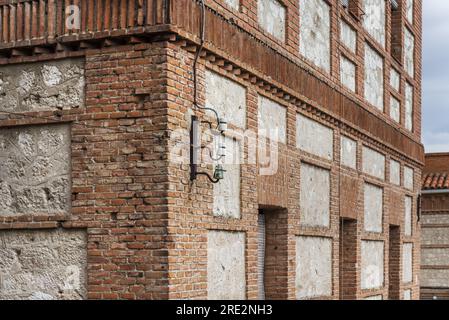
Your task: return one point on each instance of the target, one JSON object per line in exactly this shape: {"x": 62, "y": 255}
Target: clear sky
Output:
{"x": 436, "y": 75}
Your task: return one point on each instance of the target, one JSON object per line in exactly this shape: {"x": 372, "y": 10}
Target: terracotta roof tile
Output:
{"x": 435, "y": 181}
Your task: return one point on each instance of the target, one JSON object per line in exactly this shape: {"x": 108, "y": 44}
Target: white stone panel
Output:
{"x": 434, "y": 278}
{"x": 348, "y": 152}
{"x": 395, "y": 172}
{"x": 348, "y": 36}
{"x": 226, "y": 265}
{"x": 408, "y": 294}
{"x": 43, "y": 264}
{"x": 314, "y": 196}
{"x": 227, "y": 97}
{"x": 395, "y": 109}
{"x": 35, "y": 170}
{"x": 408, "y": 178}
{"x": 374, "y": 78}
{"x": 378, "y": 297}
{"x": 348, "y": 73}
{"x": 374, "y": 19}
{"x": 272, "y": 120}
{"x": 409, "y": 52}
{"x": 314, "y": 27}
{"x": 409, "y": 10}
{"x": 271, "y": 17}
{"x": 408, "y": 216}
{"x": 407, "y": 263}
{"x": 314, "y": 137}
{"x": 408, "y": 106}
{"x": 227, "y": 191}
{"x": 373, "y": 163}
{"x": 395, "y": 80}
{"x": 372, "y": 260}
{"x": 313, "y": 267}
{"x": 234, "y": 4}
{"x": 42, "y": 86}
{"x": 373, "y": 208}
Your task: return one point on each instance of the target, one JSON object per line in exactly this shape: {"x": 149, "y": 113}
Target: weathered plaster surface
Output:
{"x": 409, "y": 10}
{"x": 378, "y": 297}
{"x": 313, "y": 267}
{"x": 42, "y": 86}
{"x": 314, "y": 138}
{"x": 408, "y": 106}
{"x": 374, "y": 78}
{"x": 408, "y": 216}
{"x": 373, "y": 216}
{"x": 314, "y": 27}
{"x": 395, "y": 172}
{"x": 226, "y": 265}
{"x": 347, "y": 73}
{"x": 348, "y": 36}
{"x": 43, "y": 265}
{"x": 233, "y": 4}
{"x": 314, "y": 196}
{"x": 431, "y": 236}
{"x": 227, "y": 97}
{"x": 348, "y": 152}
{"x": 408, "y": 294}
{"x": 272, "y": 118}
{"x": 435, "y": 219}
{"x": 409, "y": 52}
{"x": 373, "y": 163}
{"x": 435, "y": 256}
{"x": 434, "y": 278}
{"x": 271, "y": 16}
{"x": 35, "y": 170}
{"x": 227, "y": 191}
{"x": 395, "y": 109}
{"x": 374, "y": 19}
{"x": 372, "y": 264}
{"x": 408, "y": 177}
{"x": 395, "y": 79}
{"x": 407, "y": 263}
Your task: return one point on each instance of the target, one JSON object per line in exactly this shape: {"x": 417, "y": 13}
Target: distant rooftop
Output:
{"x": 436, "y": 171}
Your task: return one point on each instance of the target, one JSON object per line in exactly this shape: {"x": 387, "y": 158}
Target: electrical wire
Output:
{"x": 195, "y": 62}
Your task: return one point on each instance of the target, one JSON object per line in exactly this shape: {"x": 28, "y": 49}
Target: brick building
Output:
{"x": 97, "y": 196}
{"x": 435, "y": 229}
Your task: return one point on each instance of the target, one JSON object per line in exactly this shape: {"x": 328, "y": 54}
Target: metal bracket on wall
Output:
{"x": 195, "y": 147}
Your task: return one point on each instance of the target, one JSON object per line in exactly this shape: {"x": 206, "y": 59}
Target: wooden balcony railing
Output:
{"x": 30, "y": 20}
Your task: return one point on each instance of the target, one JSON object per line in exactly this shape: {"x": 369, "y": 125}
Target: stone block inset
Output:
{"x": 348, "y": 36}
{"x": 227, "y": 97}
{"x": 373, "y": 163}
{"x": 42, "y": 86}
{"x": 314, "y": 28}
{"x": 348, "y": 73}
{"x": 407, "y": 263}
{"x": 313, "y": 267}
{"x": 315, "y": 196}
{"x": 373, "y": 216}
{"x": 374, "y": 78}
{"x": 35, "y": 170}
{"x": 314, "y": 138}
{"x": 372, "y": 264}
{"x": 348, "y": 152}
{"x": 226, "y": 265}
{"x": 271, "y": 17}
{"x": 374, "y": 19}
{"x": 227, "y": 191}
{"x": 272, "y": 120}
{"x": 43, "y": 264}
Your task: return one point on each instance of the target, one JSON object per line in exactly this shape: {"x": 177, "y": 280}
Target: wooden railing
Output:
{"x": 28, "y": 20}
